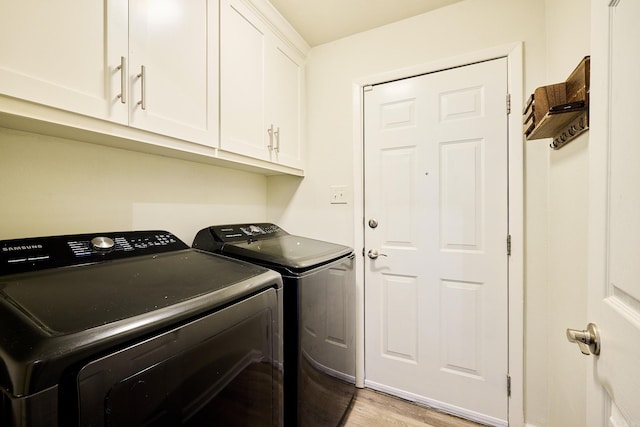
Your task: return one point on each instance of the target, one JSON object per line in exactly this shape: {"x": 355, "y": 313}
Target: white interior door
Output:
{"x": 614, "y": 284}
{"x": 436, "y": 214}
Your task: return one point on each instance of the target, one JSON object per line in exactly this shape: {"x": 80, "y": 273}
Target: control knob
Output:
{"x": 102, "y": 244}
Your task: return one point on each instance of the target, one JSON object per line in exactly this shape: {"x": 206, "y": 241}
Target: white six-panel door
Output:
{"x": 436, "y": 184}
{"x": 614, "y": 227}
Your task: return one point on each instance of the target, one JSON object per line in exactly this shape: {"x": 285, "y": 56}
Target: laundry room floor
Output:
{"x": 374, "y": 409}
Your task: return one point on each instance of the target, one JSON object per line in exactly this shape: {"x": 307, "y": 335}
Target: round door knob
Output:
{"x": 373, "y": 223}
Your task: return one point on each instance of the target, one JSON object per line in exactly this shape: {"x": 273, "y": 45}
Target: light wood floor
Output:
{"x": 373, "y": 409}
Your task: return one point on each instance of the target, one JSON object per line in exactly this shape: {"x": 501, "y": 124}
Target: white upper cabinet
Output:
{"x": 284, "y": 104}
{"x": 243, "y": 36}
{"x": 86, "y": 57}
{"x": 172, "y": 72}
{"x": 58, "y": 54}
{"x": 261, "y": 82}
{"x": 158, "y": 76}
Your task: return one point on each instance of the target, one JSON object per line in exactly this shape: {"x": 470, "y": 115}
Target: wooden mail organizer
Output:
{"x": 559, "y": 111}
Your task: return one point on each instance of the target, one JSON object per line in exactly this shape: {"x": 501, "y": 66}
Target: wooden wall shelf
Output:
{"x": 560, "y": 111}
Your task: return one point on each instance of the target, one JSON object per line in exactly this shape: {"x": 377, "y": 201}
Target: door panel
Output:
{"x": 400, "y": 335}
{"x": 461, "y": 324}
{"x": 460, "y": 195}
{"x": 436, "y": 296}
{"x": 398, "y": 204}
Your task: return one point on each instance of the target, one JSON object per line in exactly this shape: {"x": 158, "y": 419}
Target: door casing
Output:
{"x": 514, "y": 54}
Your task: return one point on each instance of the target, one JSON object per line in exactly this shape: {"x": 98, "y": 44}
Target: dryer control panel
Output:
{"x": 244, "y": 232}
{"x": 39, "y": 253}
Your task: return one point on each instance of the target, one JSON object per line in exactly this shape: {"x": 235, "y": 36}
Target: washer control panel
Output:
{"x": 39, "y": 253}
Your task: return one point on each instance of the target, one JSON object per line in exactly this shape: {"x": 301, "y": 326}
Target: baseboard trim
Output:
{"x": 438, "y": 406}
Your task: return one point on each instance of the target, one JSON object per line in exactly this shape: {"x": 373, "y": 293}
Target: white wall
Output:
{"x": 54, "y": 186}
{"x": 554, "y": 387}
{"x": 568, "y": 210}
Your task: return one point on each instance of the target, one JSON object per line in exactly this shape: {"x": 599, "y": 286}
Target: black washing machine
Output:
{"x": 318, "y": 317}
{"x": 133, "y": 329}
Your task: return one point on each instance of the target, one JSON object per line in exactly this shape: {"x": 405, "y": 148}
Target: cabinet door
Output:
{"x": 173, "y": 68}
{"x": 243, "y": 129}
{"x": 57, "y": 53}
{"x": 284, "y": 102}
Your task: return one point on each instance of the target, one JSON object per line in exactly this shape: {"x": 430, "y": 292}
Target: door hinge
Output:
{"x": 508, "y": 385}
{"x": 508, "y": 103}
{"x": 509, "y": 245}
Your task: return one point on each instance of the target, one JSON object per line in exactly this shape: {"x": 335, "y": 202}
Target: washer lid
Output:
{"x": 269, "y": 245}
{"x": 295, "y": 252}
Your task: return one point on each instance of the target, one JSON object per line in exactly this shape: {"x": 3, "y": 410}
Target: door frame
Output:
{"x": 514, "y": 54}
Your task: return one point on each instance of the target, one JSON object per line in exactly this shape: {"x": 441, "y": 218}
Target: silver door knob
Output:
{"x": 588, "y": 340}
{"x": 373, "y": 254}
{"x": 373, "y": 223}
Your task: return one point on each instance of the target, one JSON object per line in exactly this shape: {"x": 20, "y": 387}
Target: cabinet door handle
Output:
{"x": 270, "y": 132}
{"x": 123, "y": 79}
{"x": 142, "y": 103}
{"x": 277, "y": 134}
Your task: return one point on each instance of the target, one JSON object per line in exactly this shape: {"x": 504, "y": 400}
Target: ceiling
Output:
{"x": 322, "y": 21}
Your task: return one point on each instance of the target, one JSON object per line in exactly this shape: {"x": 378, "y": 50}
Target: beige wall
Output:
{"x": 567, "y": 230}
{"x": 554, "y": 392}
{"x": 54, "y": 186}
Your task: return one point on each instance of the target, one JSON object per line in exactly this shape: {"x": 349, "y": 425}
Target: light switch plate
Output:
{"x": 338, "y": 194}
